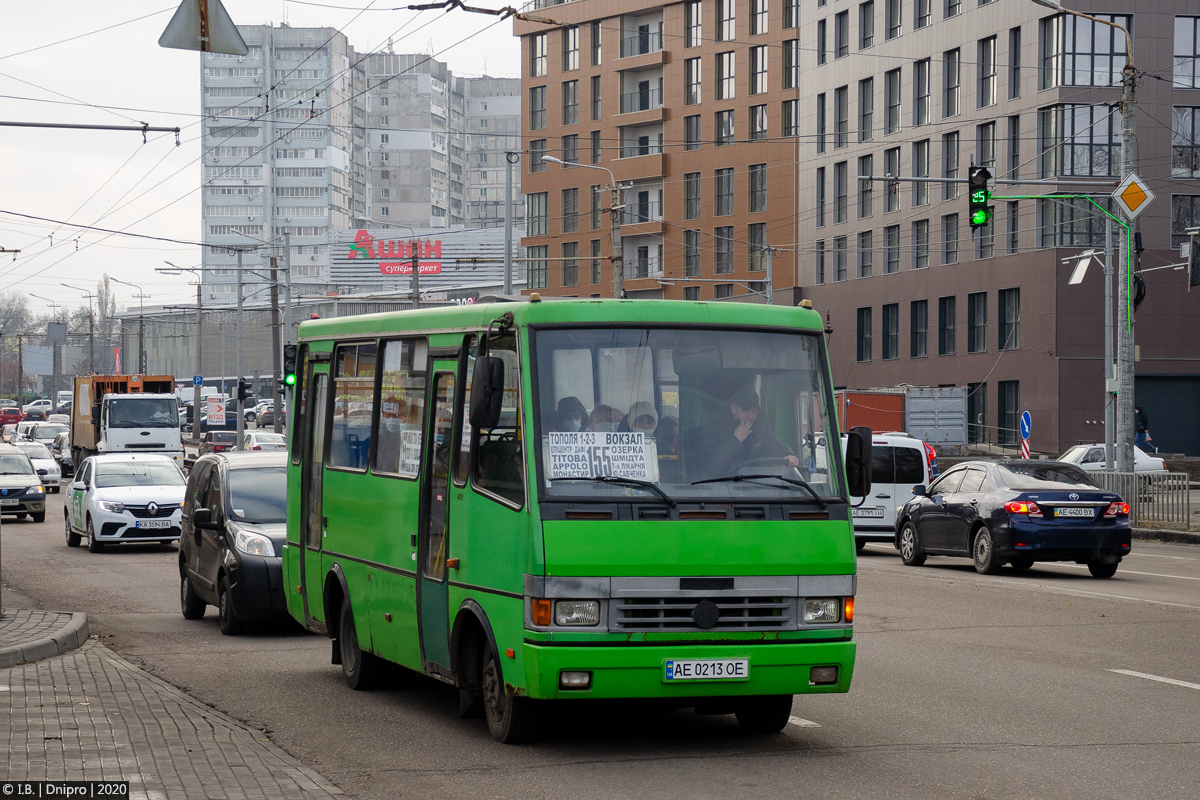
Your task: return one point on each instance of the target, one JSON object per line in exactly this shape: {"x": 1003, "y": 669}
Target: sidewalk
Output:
{"x": 78, "y": 711}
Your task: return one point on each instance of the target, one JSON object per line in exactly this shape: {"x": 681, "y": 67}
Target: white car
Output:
{"x": 125, "y": 498}
{"x": 1090, "y": 457}
{"x": 43, "y": 405}
{"x": 263, "y": 440}
{"x": 898, "y": 463}
{"x": 47, "y": 468}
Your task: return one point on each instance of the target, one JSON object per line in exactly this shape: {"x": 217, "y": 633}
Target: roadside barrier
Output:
{"x": 1161, "y": 498}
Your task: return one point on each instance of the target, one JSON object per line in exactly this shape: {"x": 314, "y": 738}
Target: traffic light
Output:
{"x": 978, "y": 196}
{"x": 243, "y": 392}
{"x": 289, "y": 364}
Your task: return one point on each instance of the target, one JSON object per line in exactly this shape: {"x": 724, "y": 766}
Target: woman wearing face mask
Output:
{"x": 570, "y": 415}
{"x": 641, "y": 417}
{"x": 605, "y": 419}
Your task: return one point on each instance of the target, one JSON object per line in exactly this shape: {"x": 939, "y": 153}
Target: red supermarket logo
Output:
{"x": 369, "y": 247}
{"x": 405, "y": 268}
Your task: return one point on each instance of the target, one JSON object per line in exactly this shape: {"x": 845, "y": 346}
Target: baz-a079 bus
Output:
{"x": 575, "y": 499}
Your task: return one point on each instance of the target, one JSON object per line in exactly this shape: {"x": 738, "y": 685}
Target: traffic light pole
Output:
{"x": 241, "y": 421}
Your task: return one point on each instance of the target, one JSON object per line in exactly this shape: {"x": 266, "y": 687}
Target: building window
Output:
{"x": 726, "y": 29}
{"x": 536, "y": 261}
{"x": 1014, "y": 63}
{"x": 950, "y": 239}
{"x": 597, "y": 207}
{"x": 839, "y": 258}
{"x": 595, "y": 97}
{"x": 726, "y": 69}
{"x": 722, "y": 291}
{"x": 891, "y": 166}
{"x": 691, "y": 195}
{"x": 891, "y": 101}
{"x": 987, "y": 72}
{"x": 820, "y": 276}
{"x": 890, "y": 349}
{"x": 693, "y": 24}
{"x": 570, "y": 210}
{"x": 950, "y": 165}
{"x": 723, "y": 192}
{"x": 758, "y": 188}
{"x": 570, "y": 40}
{"x": 820, "y": 197}
{"x": 1014, "y": 147}
{"x": 756, "y": 235}
{"x": 891, "y": 249}
{"x": 536, "y": 216}
{"x": 841, "y": 35}
{"x": 537, "y": 55}
{"x": 595, "y": 262}
{"x": 976, "y": 413}
{"x": 691, "y": 293}
{"x": 1080, "y": 140}
{"x": 866, "y": 24}
{"x": 840, "y": 190}
{"x": 921, "y": 70}
{"x": 595, "y": 26}
{"x": 985, "y": 150}
{"x": 691, "y": 254}
{"x": 821, "y": 123}
{"x": 758, "y": 70}
{"x": 1185, "y": 142}
{"x": 758, "y": 17}
{"x": 951, "y": 67}
{"x": 537, "y": 149}
{"x": 945, "y": 326}
{"x": 1013, "y": 241}
{"x": 691, "y": 132}
{"x": 841, "y": 116}
{"x": 1071, "y": 222}
{"x": 865, "y": 187}
{"x": 723, "y": 250}
{"x": 977, "y": 322}
{"x": 918, "y": 329}
{"x": 537, "y": 108}
{"x": 922, "y": 13}
{"x": 920, "y": 169}
{"x": 791, "y": 64}
{"x": 864, "y": 334}
{"x": 920, "y": 244}
{"x": 1010, "y": 319}
{"x": 725, "y": 127}
{"x": 866, "y": 109}
{"x": 865, "y": 245}
{"x": 822, "y": 53}
{"x": 570, "y": 264}
{"x": 985, "y": 241}
{"x": 1079, "y": 52}
{"x": 791, "y": 13}
{"x": 892, "y": 18}
{"x": 952, "y": 8}
{"x": 692, "y": 81}
{"x": 1187, "y": 53}
{"x": 789, "y": 112}
{"x": 597, "y": 151}
{"x": 1009, "y": 402}
{"x": 758, "y": 122}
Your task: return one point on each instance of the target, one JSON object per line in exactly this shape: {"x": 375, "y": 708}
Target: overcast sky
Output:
{"x": 59, "y": 64}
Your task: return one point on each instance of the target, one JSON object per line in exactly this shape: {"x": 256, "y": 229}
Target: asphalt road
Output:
{"x": 1047, "y": 684}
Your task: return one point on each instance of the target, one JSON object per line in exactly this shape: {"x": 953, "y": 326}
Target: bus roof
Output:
{"x": 565, "y": 310}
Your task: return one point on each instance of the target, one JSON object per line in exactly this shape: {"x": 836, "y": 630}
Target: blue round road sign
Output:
{"x": 1026, "y": 424}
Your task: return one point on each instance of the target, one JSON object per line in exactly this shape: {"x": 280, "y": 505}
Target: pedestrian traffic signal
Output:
{"x": 243, "y": 392}
{"x": 978, "y": 196}
{"x": 289, "y": 364}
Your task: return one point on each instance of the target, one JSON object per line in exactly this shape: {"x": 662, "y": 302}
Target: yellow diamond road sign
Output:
{"x": 1133, "y": 195}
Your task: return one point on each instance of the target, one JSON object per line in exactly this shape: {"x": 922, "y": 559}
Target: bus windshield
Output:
{"x": 662, "y": 414}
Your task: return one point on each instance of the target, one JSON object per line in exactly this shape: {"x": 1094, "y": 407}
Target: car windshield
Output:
{"x": 143, "y": 412}
{"x": 259, "y": 494}
{"x": 34, "y": 450}
{"x": 48, "y": 432}
{"x": 687, "y": 413}
{"x": 138, "y": 473}
{"x": 15, "y": 465}
{"x": 1044, "y": 477}
{"x": 269, "y": 438}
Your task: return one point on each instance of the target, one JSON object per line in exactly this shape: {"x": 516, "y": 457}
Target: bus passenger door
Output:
{"x": 432, "y": 599}
{"x": 312, "y": 521}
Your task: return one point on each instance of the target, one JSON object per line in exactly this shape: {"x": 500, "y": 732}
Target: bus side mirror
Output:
{"x": 858, "y": 461}
{"x": 487, "y": 392}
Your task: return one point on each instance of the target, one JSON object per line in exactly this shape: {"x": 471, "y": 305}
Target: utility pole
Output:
{"x": 1125, "y": 427}
{"x": 1109, "y": 399}
{"x": 508, "y": 220}
{"x": 199, "y": 360}
{"x": 241, "y": 421}
{"x": 416, "y": 269}
{"x": 20, "y": 372}
{"x": 276, "y": 351}
{"x": 287, "y": 287}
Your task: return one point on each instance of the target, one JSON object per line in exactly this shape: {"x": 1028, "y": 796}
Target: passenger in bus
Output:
{"x": 605, "y": 418}
{"x": 667, "y": 436}
{"x": 742, "y": 442}
{"x": 641, "y": 417}
{"x": 570, "y": 415}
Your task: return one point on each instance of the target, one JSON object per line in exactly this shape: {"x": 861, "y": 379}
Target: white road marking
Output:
{"x": 1125, "y": 571}
{"x": 1149, "y": 677}
{"x": 1154, "y": 555}
{"x": 808, "y": 723}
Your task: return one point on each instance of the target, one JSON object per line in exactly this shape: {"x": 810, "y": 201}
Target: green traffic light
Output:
{"x": 980, "y": 217}
{"x": 290, "y": 380}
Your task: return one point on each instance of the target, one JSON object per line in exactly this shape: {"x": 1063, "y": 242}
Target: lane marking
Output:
{"x": 808, "y": 723}
{"x": 1154, "y": 555}
{"x": 1149, "y": 677}
{"x": 1122, "y": 571}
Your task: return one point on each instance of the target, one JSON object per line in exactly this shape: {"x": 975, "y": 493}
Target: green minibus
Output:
{"x": 561, "y": 500}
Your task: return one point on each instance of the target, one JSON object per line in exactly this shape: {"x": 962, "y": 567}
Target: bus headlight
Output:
{"x": 253, "y": 544}
{"x": 577, "y": 612}
{"x": 822, "y": 610}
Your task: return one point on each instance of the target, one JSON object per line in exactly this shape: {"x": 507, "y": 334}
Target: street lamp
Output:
{"x": 615, "y": 215}
{"x": 1124, "y": 377}
{"x": 91, "y": 327}
{"x": 141, "y": 323}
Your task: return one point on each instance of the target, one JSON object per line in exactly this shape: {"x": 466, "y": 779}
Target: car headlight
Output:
{"x": 253, "y": 544}
{"x": 36, "y": 490}
{"x": 822, "y": 610}
{"x": 577, "y": 612}
{"x": 111, "y": 505}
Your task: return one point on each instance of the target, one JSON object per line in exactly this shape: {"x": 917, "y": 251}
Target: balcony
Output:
{"x": 640, "y": 167}
{"x": 641, "y": 100}
{"x": 641, "y": 43}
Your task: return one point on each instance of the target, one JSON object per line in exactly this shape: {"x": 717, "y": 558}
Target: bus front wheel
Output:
{"x": 768, "y": 714}
{"x": 362, "y": 670}
{"x": 510, "y": 718}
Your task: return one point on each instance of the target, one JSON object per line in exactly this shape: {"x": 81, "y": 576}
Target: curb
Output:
{"x": 65, "y": 639}
{"x": 1155, "y": 535}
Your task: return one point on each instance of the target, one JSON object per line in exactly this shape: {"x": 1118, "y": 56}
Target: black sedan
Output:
{"x": 1015, "y": 512}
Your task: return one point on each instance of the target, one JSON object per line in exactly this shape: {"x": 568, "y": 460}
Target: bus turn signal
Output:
{"x": 541, "y": 612}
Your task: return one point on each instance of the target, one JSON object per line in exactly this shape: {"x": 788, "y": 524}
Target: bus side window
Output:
{"x": 401, "y": 409}
{"x": 498, "y": 462}
{"x": 463, "y": 469}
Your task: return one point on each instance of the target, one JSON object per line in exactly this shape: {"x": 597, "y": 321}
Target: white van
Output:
{"x": 898, "y": 463}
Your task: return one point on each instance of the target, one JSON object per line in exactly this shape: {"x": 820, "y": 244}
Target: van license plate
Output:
{"x": 152, "y": 523}
{"x": 872, "y": 512}
{"x": 709, "y": 669}
{"x": 1087, "y": 513}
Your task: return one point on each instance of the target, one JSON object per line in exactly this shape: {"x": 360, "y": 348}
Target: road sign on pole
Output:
{"x": 197, "y": 380}
{"x": 1026, "y": 429}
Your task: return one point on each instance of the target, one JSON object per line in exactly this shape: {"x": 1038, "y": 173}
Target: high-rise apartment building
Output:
{"x": 741, "y": 127}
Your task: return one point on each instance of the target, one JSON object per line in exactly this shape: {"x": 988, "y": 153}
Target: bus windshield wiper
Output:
{"x": 793, "y": 481}
{"x": 624, "y": 482}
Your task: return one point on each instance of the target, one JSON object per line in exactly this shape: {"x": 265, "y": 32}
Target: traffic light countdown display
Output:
{"x": 978, "y": 196}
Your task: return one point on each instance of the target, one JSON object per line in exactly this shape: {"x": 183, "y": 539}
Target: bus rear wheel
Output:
{"x": 361, "y": 670}
{"x": 511, "y": 719}
{"x": 768, "y": 714}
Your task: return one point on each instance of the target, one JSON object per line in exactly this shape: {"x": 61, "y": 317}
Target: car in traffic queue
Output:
{"x": 8, "y": 433}
{"x": 10, "y": 415}
{"x": 1016, "y": 512}
{"x": 43, "y": 463}
{"x": 1090, "y": 457}
{"x": 234, "y": 527}
{"x": 61, "y": 419}
{"x": 25, "y": 429}
{"x": 45, "y": 432}
{"x": 267, "y": 418}
{"x": 898, "y": 463}
{"x": 60, "y": 448}
{"x": 38, "y": 409}
{"x": 217, "y": 442}
{"x": 121, "y": 497}
{"x": 21, "y": 490}
{"x": 263, "y": 440}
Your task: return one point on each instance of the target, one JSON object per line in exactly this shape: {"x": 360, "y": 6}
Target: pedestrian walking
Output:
{"x": 1141, "y": 424}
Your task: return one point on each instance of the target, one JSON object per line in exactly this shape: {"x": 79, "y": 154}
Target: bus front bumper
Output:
{"x": 640, "y": 671}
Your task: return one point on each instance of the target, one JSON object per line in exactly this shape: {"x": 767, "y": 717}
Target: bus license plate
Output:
{"x": 873, "y": 512}
{"x": 1087, "y": 513}
{"x": 711, "y": 669}
{"x": 153, "y": 523}
{"x": 9, "y": 502}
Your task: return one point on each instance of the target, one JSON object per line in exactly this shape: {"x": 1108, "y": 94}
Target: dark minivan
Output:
{"x": 234, "y": 526}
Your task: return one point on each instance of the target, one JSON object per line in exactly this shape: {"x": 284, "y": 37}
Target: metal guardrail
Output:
{"x": 1163, "y": 498}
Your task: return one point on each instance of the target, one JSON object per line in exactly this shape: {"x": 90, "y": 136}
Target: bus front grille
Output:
{"x": 675, "y": 613}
